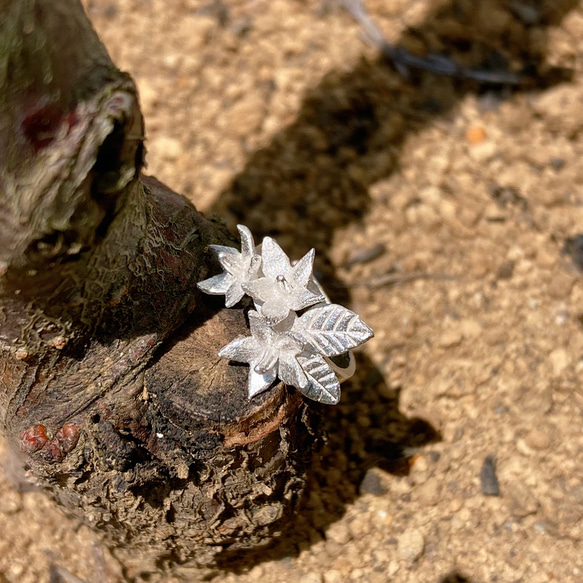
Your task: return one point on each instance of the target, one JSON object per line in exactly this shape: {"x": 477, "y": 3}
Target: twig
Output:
{"x": 404, "y": 60}
{"x": 399, "y": 279}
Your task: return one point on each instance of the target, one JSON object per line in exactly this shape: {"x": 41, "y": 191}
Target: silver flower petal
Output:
{"x": 239, "y": 267}
{"x": 233, "y": 295}
{"x": 240, "y": 350}
{"x": 303, "y": 269}
{"x": 247, "y": 243}
{"x": 259, "y": 382}
{"x": 217, "y": 285}
{"x": 275, "y": 261}
{"x": 260, "y": 328}
{"x": 284, "y": 288}
{"x": 291, "y": 372}
{"x": 268, "y": 357}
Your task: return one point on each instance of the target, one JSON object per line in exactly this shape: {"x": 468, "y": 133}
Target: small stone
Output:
{"x": 148, "y": 94}
{"x": 560, "y": 286}
{"x": 483, "y": 151}
{"x": 470, "y": 328}
{"x": 561, "y": 107}
{"x": 372, "y": 483}
{"x": 380, "y": 556}
{"x": 21, "y": 354}
{"x": 475, "y": 134}
{"x": 333, "y": 576}
{"x": 429, "y": 493}
{"x": 488, "y": 479}
{"x": 450, "y": 338}
{"x": 339, "y": 533}
{"x": 538, "y": 439}
{"x": 359, "y": 526}
{"x": 410, "y": 545}
{"x": 560, "y": 360}
{"x": 573, "y": 248}
{"x": 452, "y": 434}
{"x": 311, "y": 578}
{"x": 10, "y": 502}
{"x": 419, "y": 464}
{"x": 545, "y": 258}
{"x": 522, "y": 502}
{"x": 392, "y": 568}
{"x": 506, "y": 270}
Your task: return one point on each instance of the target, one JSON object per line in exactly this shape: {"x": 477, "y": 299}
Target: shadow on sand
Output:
{"x": 314, "y": 179}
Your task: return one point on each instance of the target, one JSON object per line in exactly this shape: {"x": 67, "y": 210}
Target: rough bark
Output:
{"x": 110, "y": 383}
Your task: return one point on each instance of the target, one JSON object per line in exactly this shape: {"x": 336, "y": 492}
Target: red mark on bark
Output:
{"x": 33, "y": 439}
{"x": 53, "y": 453}
{"x": 67, "y": 437}
{"x": 41, "y": 127}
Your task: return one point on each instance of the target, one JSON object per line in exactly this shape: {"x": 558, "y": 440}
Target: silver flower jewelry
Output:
{"x": 240, "y": 268}
{"x": 284, "y": 288}
{"x": 308, "y": 350}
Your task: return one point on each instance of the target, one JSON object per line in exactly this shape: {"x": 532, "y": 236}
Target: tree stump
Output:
{"x": 111, "y": 387}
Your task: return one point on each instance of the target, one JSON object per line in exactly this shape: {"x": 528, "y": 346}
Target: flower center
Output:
{"x": 282, "y": 282}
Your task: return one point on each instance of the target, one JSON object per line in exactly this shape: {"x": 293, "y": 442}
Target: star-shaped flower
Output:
{"x": 283, "y": 287}
{"x": 240, "y": 267}
{"x": 271, "y": 353}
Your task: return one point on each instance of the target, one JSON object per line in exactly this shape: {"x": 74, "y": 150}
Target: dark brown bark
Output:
{"x": 110, "y": 383}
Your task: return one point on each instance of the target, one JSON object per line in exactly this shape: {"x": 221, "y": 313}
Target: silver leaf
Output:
{"x": 331, "y": 329}
{"x": 323, "y": 386}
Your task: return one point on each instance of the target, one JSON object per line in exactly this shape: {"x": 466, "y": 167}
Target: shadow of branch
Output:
{"x": 313, "y": 180}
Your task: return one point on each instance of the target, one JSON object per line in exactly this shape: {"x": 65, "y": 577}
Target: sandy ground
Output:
{"x": 446, "y": 214}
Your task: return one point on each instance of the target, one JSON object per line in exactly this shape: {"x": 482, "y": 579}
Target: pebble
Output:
{"x": 522, "y": 502}
{"x": 311, "y": 578}
{"x": 488, "y": 479}
{"x": 560, "y": 285}
{"x": 359, "y": 526}
{"x": 10, "y": 502}
{"x": 506, "y": 270}
{"x": 428, "y": 494}
{"x": 561, "y": 106}
{"x": 410, "y": 545}
{"x": 538, "y": 439}
{"x": 339, "y": 533}
{"x": 392, "y": 568}
{"x": 148, "y": 94}
{"x": 372, "y": 483}
{"x": 559, "y": 360}
{"x": 333, "y": 576}
{"x": 450, "y": 338}
{"x": 483, "y": 151}
{"x": 475, "y": 134}
{"x": 451, "y": 433}
{"x": 470, "y": 328}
